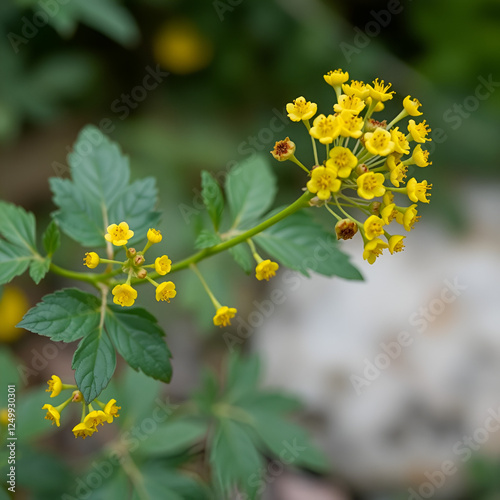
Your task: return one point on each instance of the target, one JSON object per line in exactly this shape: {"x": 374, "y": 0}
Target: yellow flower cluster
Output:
{"x": 366, "y": 161}
{"x": 90, "y": 418}
{"x": 134, "y": 265}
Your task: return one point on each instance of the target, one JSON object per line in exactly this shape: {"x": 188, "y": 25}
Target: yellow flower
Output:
{"x": 419, "y": 131}
{"x": 165, "y": 291}
{"x": 370, "y": 185}
{"x": 163, "y": 265}
{"x": 342, "y": 161}
{"x": 350, "y": 103}
{"x": 124, "y": 295}
{"x": 336, "y": 78}
{"x": 401, "y": 145}
{"x": 91, "y": 260}
{"x": 323, "y": 182}
{"x": 13, "y": 306}
{"x": 111, "y": 410}
{"x": 52, "y": 414}
{"x": 396, "y": 243}
{"x": 55, "y": 386}
{"x": 94, "y": 418}
{"x": 82, "y": 430}
{"x": 388, "y": 198}
{"x": 408, "y": 218}
{"x": 379, "y": 91}
{"x": 417, "y": 191}
{"x": 411, "y": 106}
{"x": 351, "y": 125}
{"x": 223, "y": 316}
{"x": 398, "y": 173}
{"x": 420, "y": 157}
{"x": 301, "y": 109}
{"x": 374, "y": 249}
{"x": 325, "y": 128}
{"x": 378, "y": 107}
{"x": 119, "y": 234}
{"x": 379, "y": 142}
{"x": 283, "y": 150}
{"x": 357, "y": 88}
{"x": 389, "y": 213}
{"x": 154, "y": 236}
{"x": 266, "y": 269}
{"x": 373, "y": 227}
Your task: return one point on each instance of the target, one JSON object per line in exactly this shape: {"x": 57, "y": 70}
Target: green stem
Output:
{"x": 298, "y": 204}
{"x": 215, "y": 302}
{"x": 308, "y": 126}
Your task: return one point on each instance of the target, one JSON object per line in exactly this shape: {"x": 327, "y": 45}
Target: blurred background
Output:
{"x": 221, "y": 74}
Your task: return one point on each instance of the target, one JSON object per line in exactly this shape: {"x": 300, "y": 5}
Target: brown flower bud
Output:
{"x": 131, "y": 252}
{"x": 138, "y": 260}
{"x": 361, "y": 169}
{"x": 346, "y": 229}
{"x": 316, "y": 202}
{"x": 283, "y": 150}
{"x": 142, "y": 273}
{"x": 375, "y": 207}
{"x": 77, "y": 396}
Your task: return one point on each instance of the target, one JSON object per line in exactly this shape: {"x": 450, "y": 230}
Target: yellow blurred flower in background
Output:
{"x": 13, "y": 306}
{"x": 180, "y": 47}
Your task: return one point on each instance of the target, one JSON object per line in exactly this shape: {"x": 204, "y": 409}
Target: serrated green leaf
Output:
{"x": 14, "y": 261}
{"x": 207, "y": 239}
{"x": 250, "y": 191}
{"x": 94, "y": 363}
{"x": 212, "y": 198}
{"x": 64, "y": 316}
{"x": 206, "y": 395}
{"x": 300, "y": 243}
{"x": 243, "y": 257}
{"x": 274, "y": 402}
{"x": 140, "y": 341}
{"x": 235, "y": 459}
{"x": 17, "y": 226}
{"x": 51, "y": 238}
{"x": 99, "y": 192}
{"x": 39, "y": 268}
{"x": 173, "y": 437}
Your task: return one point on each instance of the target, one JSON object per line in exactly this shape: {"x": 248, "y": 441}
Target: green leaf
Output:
{"x": 302, "y": 244}
{"x": 14, "y": 261}
{"x": 99, "y": 192}
{"x": 250, "y": 191}
{"x": 51, "y": 238}
{"x": 39, "y": 268}
{"x": 173, "y": 437}
{"x": 212, "y": 198}
{"x": 140, "y": 341}
{"x": 64, "y": 316}
{"x": 207, "y": 239}
{"x": 94, "y": 363}
{"x": 109, "y": 18}
{"x": 242, "y": 376}
{"x": 163, "y": 482}
{"x": 235, "y": 459}
{"x": 17, "y": 226}
{"x": 281, "y": 436}
{"x": 243, "y": 257}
